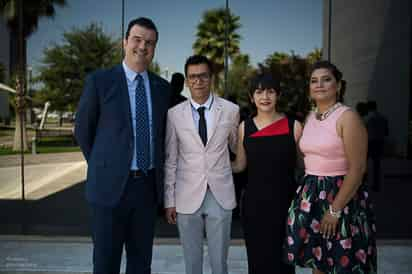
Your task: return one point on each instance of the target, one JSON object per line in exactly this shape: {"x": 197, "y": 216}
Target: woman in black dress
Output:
{"x": 267, "y": 146}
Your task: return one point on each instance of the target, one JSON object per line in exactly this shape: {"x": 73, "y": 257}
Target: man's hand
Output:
{"x": 171, "y": 215}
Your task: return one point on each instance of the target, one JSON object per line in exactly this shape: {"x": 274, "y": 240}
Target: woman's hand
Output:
{"x": 240, "y": 162}
{"x": 328, "y": 225}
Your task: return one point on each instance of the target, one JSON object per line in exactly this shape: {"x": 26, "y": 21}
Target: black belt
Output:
{"x": 138, "y": 173}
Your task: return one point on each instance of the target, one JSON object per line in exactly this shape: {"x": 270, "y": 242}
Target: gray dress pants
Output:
{"x": 216, "y": 221}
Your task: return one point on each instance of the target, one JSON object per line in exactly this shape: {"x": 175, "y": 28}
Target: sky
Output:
{"x": 266, "y": 26}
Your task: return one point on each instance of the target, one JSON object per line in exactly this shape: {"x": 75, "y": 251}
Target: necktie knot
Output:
{"x": 139, "y": 77}
{"x": 201, "y": 110}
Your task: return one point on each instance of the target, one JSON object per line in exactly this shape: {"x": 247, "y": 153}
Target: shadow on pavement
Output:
{"x": 66, "y": 213}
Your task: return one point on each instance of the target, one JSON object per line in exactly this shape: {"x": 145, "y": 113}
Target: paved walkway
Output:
{"x": 50, "y": 255}
{"x": 40, "y": 179}
{"x": 45, "y": 174}
{"x": 36, "y": 159}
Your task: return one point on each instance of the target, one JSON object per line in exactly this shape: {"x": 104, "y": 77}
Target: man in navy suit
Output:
{"x": 120, "y": 125}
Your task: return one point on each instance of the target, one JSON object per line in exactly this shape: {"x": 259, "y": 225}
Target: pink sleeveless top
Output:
{"x": 322, "y": 147}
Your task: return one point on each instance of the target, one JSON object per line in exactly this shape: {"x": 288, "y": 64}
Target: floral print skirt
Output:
{"x": 351, "y": 250}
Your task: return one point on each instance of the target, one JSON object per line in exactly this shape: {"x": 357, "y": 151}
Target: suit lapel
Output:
{"x": 188, "y": 119}
{"x": 124, "y": 93}
{"x": 216, "y": 112}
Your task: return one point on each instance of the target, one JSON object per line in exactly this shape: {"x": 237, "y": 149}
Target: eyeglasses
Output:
{"x": 201, "y": 77}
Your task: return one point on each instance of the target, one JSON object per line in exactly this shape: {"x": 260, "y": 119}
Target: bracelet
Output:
{"x": 333, "y": 213}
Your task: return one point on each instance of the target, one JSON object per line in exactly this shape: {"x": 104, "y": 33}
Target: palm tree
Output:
{"x": 210, "y": 39}
{"x": 32, "y": 12}
{"x": 277, "y": 58}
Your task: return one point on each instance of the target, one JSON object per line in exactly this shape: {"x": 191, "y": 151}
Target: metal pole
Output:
{"x": 29, "y": 115}
{"x": 226, "y": 53}
{"x": 122, "y": 28}
{"x": 20, "y": 106}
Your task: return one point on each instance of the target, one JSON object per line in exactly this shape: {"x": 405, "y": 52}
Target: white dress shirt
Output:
{"x": 208, "y": 114}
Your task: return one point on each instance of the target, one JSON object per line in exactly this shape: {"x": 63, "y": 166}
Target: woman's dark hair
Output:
{"x": 265, "y": 80}
{"x": 335, "y": 72}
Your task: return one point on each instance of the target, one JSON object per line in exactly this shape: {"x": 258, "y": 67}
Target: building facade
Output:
{"x": 370, "y": 41}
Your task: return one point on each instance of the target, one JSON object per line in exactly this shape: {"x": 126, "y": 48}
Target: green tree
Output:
{"x": 238, "y": 79}
{"x": 292, "y": 70}
{"x": 210, "y": 39}
{"x": 32, "y": 12}
{"x": 65, "y": 65}
{"x": 155, "y": 67}
{"x": 277, "y": 58}
{"x": 314, "y": 56}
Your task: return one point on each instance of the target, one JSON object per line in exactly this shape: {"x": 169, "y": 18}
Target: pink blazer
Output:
{"x": 190, "y": 166}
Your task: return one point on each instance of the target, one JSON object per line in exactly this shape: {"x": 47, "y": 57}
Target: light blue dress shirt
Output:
{"x": 131, "y": 86}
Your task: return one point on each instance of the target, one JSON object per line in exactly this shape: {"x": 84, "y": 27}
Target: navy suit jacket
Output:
{"x": 104, "y": 131}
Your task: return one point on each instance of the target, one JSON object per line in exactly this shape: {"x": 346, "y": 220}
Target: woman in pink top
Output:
{"x": 330, "y": 226}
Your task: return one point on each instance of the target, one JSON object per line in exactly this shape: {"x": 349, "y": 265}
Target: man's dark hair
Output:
{"x": 143, "y": 22}
{"x": 197, "y": 60}
{"x": 372, "y": 106}
{"x": 362, "y": 108}
{"x": 177, "y": 82}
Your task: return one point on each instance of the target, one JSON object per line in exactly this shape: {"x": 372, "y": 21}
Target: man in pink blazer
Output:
{"x": 199, "y": 190}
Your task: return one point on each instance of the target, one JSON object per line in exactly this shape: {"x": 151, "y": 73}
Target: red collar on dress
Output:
{"x": 279, "y": 127}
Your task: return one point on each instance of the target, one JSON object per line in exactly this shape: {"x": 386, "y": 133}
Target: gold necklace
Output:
{"x": 322, "y": 116}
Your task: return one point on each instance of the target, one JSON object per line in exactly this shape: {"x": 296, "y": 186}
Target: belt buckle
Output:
{"x": 137, "y": 174}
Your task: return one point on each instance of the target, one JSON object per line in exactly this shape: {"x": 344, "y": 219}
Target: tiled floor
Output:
{"x": 73, "y": 255}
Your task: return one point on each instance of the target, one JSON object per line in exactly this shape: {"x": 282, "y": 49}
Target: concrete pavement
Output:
{"x": 35, "y": 255}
